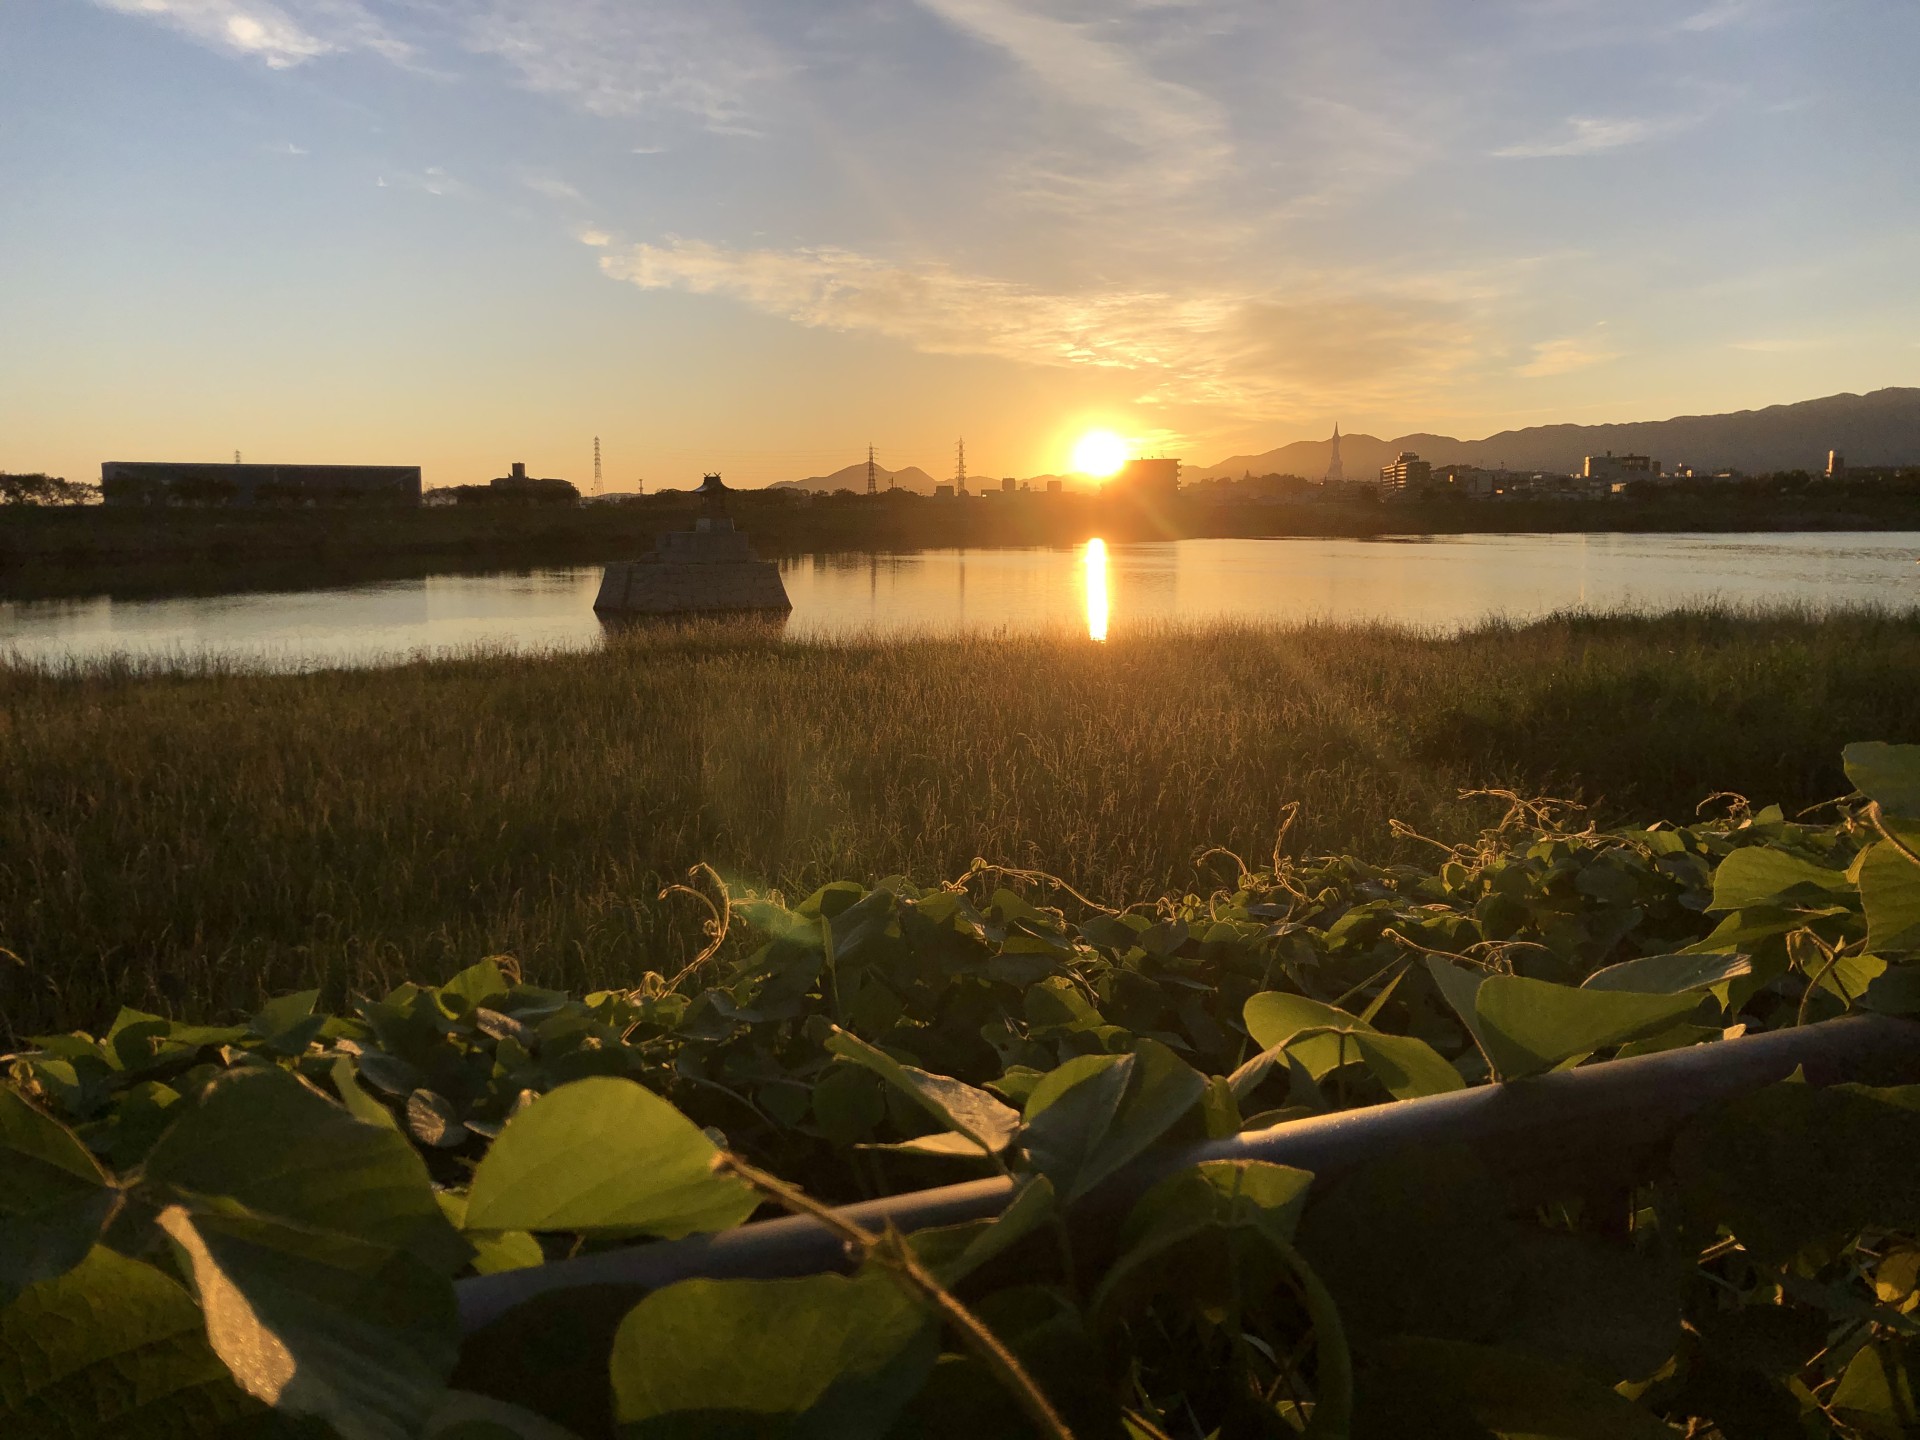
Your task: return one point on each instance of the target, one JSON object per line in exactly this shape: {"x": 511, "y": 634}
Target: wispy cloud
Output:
{"x": 1564, "y": 356}
{"x": 1238, "y": 352}
{"x": 1085, "y": 64}
{"x": 280, "y": 36}
{"x": 1595, "y": 135}
{"x": 593, "y": 235}
{"x": 618, "y": 60}
{"x": 552, "y": 186}
{"x": 434, "y": 180}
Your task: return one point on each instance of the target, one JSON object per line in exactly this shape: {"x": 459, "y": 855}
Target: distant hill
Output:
{"x": 1881, "y": 428}
{"x": 854, "y": 477}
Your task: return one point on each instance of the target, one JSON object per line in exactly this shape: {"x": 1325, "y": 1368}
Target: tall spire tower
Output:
{"x": 960, "y": 470}
{"x": 1336, "y": 472}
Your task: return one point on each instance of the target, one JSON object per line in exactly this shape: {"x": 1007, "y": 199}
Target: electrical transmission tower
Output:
{"x": 960, "y": 470}
{"x": 596, "y": 464}
{"x": 873, "y": 486}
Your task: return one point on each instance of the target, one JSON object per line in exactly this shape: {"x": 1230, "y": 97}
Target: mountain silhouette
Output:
{"x": 1881, "y": 428}
{"x": 854, "y": 477}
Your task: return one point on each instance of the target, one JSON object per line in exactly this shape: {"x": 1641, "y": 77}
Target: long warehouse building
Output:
{"x": 141, "y": 482}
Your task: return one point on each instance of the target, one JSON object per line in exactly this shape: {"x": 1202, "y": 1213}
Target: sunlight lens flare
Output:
{"x": 1096, "y": 563}
{"x": 1099, "y": 453}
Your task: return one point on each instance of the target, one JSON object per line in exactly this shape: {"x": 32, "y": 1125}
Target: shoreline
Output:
{"x": 132, "y": 553}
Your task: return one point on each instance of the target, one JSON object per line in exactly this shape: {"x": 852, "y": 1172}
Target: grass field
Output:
{"x": 195, "y": 842}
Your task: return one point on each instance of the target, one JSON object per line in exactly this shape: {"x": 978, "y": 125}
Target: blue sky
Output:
{"x": 758, "y": 235}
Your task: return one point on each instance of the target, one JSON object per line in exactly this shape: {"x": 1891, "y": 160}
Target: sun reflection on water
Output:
{"x": 1096, "y": 563}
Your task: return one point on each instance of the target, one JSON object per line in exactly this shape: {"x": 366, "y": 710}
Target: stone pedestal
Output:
{"x": 710, "y": 570}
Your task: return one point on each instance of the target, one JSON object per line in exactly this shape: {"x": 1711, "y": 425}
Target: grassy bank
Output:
{"x": 196, "y": 842}
{"x": 131, "y": 552}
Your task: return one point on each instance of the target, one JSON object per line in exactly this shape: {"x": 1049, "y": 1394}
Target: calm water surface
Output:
{"x": 1443, "y": 581}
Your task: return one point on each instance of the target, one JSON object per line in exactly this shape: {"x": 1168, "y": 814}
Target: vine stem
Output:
{"x": 889, "y": 1249}
{"x": 1879, "y": 819}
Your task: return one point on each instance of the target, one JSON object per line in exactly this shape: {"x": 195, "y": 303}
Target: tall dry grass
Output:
{"x": 194, "y": 842}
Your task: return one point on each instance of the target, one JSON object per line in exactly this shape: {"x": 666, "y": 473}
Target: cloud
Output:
{"x": 553, "y": 187}
{"x": 594, "y": 236}
{"x": 1562, "y": 357}
{"x": 1594, "y": 135}
{"x": 1242, "y": 353}
{"x": 616, "y": 59}
{"x": 431, "y": 181}
{"x": 259, "y": 29}
{"x": 1180, "y": 130}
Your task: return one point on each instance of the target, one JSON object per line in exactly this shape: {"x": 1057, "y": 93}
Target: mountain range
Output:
{"x": 1880, "y": 428}
{"x": 854, "y": 478}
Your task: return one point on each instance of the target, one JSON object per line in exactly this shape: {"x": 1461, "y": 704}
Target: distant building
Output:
{"x": 1146, "y": 480}
{"x": 1614, "y": 469}
{"x": 1009, "y": 485}
{"x": 139, "y": 482}
{"x": 1836, "y": 465}
{"x": 1470, "y": 481}
{"x": 1053, "y": 487}
{"x": 943, "y": 492}
{"x": 1408, "y": 473}
{"x": 518, "y": 485}
{"x": 1336, "y": 470}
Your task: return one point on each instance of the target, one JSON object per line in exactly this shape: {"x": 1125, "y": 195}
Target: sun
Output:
{"x": 1100, "y": 453}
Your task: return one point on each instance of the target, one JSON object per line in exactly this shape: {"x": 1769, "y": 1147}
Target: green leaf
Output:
{"x": 955, "y": 1104}
{"x": 1879, "y": 1394}
{"x": 465, "y": 1415}
{"x": 1274, "y": 1017}
{"x": 358, "y": 1334}
{"x": 1207, "y": 1201}
{"x": 288, "y": 1023}
{"x": 1406, "y": 1067}
{"x": 1460, "y": 988}
{"x": 54, "y": 1197}
{"x": 431, "y": 1120}
{"x": 1759, "y": 874}
{"x": 1436, "y": 1385}
{"x": 113, "y": 1348}
{"x": 1890, "y": 890}
{"x": 1795, "y": 1167}
{"x": 1668, "y": 974}
{"x": 1529, "y": 1026}
{"x": 827, "y": 1357}
{"x": 1886, "y": 774}
{"x": 278, "y": 1149}
{"x": 604, "y": 1156}
{"x": 1094, "y": 1114}
{"x": 1070, "y": 1111}
{"x": 362, "y": 1106}
{"x": 954, "y": 1252}
{"x": 473, "y": 987}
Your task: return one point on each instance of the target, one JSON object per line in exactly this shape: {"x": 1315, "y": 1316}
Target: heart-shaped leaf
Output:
{"x": 54, "y": 1197}
{"x": 604, "y": 1156}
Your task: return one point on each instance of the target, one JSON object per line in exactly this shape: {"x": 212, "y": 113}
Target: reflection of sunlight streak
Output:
{"x": 1097, "y": 589}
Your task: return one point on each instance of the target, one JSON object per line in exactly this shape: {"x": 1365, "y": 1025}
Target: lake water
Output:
{"x": 1096, "y": 589}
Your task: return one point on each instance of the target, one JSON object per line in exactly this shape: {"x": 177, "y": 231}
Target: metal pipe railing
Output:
{"x": 1595, "y": 1124}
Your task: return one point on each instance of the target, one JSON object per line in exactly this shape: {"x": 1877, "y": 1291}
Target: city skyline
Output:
{"x": 736, "y": 237}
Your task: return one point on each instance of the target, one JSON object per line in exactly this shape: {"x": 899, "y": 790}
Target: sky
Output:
{"x": 759, "y": 235}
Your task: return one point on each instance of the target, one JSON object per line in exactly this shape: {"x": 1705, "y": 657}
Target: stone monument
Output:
{"x": 708, "y": 570}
